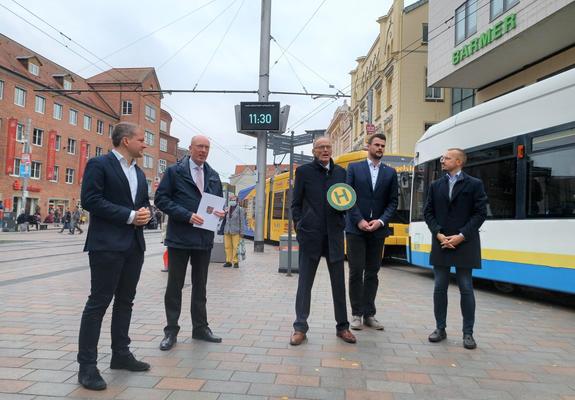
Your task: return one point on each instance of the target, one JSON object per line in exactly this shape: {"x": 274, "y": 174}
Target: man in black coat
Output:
{"x": 455, "y": 209}
{"x": 115, "y": 192}
{"x": 367, "y": 225}
{"x": 319, "y": 229}
{"x": 179, "y": 195}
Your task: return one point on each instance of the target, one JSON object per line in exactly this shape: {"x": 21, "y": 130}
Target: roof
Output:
{"x": 122, "y": 75}
{"x": 10, "y": 54}
{"x": 271, "y": 169}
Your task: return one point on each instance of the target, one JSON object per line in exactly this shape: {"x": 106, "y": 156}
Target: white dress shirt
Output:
{"x": 374, "y": 171}
{"x": 193, "y": 172}
{"x": 132, "y": 177}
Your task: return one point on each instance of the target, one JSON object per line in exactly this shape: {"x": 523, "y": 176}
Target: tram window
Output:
{"x": 424, "y": 175}
{"x": 278, "y": 205}
{"x": 499, "y": 181}
{"x": 551, "y": 192}
{"x": 287, "y": 205}
{"x": 554, "y": 140}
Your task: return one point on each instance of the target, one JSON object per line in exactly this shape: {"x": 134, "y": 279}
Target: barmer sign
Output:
{"x": 485, "y": 39}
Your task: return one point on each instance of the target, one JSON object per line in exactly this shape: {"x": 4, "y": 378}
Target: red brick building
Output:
{"x": 65, "y": 130}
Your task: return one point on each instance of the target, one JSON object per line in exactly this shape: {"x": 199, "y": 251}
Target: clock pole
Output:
{"x": 263, "y": 93}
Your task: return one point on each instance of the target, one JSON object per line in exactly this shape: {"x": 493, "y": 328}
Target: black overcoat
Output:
{"x": 314, "y": 218}
{"x": 464, "y": 213}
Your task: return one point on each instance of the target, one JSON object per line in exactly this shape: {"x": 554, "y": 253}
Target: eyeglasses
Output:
{"x": 323, "y": 147}
{"x": 202, "y": 146}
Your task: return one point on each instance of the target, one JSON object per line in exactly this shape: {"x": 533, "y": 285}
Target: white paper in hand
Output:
{"x": 208, "y": 205}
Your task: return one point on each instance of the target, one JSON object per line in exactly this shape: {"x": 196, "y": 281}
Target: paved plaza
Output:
{"x": 526, "y": 345}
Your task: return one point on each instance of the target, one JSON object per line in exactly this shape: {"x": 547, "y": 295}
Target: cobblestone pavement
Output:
{"x": 526, "y": 347}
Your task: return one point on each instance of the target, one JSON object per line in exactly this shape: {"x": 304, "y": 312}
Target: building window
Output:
{"x": 149, "y": 138}
{"x": 424, "y": 33}
{"x": 67, "y": 84}
{"x": 87, "y": 122}
{"x": 88, "y": 148}
{"x": 20, "y": 133}
{"x": 162, "y": 165}
{"x": 100, "y": 127}
{"x": 163, "y": 125}
{"x": 58, "y": 142}
{"x": 35, "y": 170}
{"x": 388, "y": 86}
{"x": 126, "y": 107}
{"x": 33, "y": 69}
{"x": 1, "y": 90}
{"x": 73, "y": 117}
{"x": 58, "y": 111}
{"x": 110, "y": 130}
{"x": 150, "y": 112}
{"x": 17, "y": 163}
{"x": 71, "y": 146}
{"x": 498, "y": 7}
{"x": 19, "y": 97}
{"x": 148, "y": 161}
{"x": 40, "y": 105}
{"x": 149, "y": 182}
{"x": 37, "y": 137}
{"x": 461, "y": 99}
{"x": 70, "y": 175}
{"x": 163, "y": 144}
{"x": 99, "y": 151}
{"x": 465, "y": 21}
{"x": 56, "y": 174}
{"x": 432, "y": 93}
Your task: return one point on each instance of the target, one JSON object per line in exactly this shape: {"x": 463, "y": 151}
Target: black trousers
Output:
{"x": 307, "y": 269}
{"x": 364, "y": 253}
{"x": 177, "y": 266}
{"x": 114, "y": 274}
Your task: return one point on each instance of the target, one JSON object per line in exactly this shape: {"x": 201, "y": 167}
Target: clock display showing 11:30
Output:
{"x": 260, "y": 118}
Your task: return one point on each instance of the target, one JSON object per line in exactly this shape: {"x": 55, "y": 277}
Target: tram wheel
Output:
{"x": 504, "y": 287}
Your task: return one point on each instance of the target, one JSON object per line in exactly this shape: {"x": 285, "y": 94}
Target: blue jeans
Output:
{"x": 465, "y": 283}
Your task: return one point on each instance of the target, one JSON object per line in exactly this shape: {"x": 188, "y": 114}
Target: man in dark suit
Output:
{"x": 319, "y": 229}
{"x": 115, "y": 192}
{"x": 179, "y": 196}
{"x": 367, "y": 225}
{"x": 455, "y": 209}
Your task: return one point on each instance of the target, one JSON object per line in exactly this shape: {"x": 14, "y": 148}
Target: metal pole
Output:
{"x": 263, "y": 93}
{"x": 26, "y": 150}
{"x": 289, "y": 199}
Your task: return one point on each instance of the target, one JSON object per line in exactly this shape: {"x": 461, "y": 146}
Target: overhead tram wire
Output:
{"x": 196, "y": 35}
{"x": 219, "y": 44}
{"x": 123, "y": 47}
{"x": 140, "y": 92}
{"x": 299, "y": 33}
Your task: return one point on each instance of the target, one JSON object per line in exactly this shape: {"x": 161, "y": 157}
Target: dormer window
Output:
{"x": 67, "y": 84}
{"x": 65, "y": 80}
{"x": 33, "y": 68}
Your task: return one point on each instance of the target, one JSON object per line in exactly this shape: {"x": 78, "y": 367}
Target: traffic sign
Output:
{"x": 25, "y": 158}
{"x": 341, "y": 196}
{"x": 279, "y": 144}
{"x": 301, "y": 159}
{"x": 24, "y": 170}
{"x": 370, "y": 129}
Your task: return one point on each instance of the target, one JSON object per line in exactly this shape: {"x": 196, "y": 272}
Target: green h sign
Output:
{"x": 485, "y": 39}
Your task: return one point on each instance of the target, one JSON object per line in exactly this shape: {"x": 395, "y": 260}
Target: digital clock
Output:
{"x": 260, "y": 116}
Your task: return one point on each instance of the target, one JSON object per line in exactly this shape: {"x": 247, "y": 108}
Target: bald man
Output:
{"x": 179, "y": 195}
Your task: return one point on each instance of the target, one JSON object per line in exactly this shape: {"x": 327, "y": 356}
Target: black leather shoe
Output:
{"x": 236, "y": 265}
{"x": 90, "y": 378}
{"x": 437, "y": 336}
{"x": 227, "y": 265}
{"x": 206, "y": 335}
{"x": 128, "y": 362}
{"x": 168, "y": 342}
{"x": 469, "y": 342}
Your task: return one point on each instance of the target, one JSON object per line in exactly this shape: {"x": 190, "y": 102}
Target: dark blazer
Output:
{"x": 379, "y": 203}
{"x": 106, "y": 195}
{"x": 314, "y": 218}
{"x": 179, "y": 197}
{"x": 464, "y": 213}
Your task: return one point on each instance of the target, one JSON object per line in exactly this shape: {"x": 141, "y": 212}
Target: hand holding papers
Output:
{"x": 209, "y": 210}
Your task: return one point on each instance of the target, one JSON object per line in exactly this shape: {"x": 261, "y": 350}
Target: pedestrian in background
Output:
{"x": 455, "y": 209}
{"x": 367, "y": 225}
{"x": 234, "y": 226}
{"x": 66, "y": 221}
{"x": 319, "y": 230}
{"x": 75, "y": 224}
{"x": 115, "y": 192}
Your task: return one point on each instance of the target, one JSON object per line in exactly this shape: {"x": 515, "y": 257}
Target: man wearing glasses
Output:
{"x": 319, "y": 229}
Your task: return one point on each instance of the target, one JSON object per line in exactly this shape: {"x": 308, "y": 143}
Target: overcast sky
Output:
{"x": 339, "y": 32}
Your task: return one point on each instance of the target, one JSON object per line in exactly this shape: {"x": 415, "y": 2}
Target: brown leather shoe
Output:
{"x": 346, "y": 336}
{"x": 297, "y": 338}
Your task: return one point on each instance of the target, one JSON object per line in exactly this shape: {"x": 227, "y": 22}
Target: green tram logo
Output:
{"x": 341, "y": 196}
{"x": 485, "y": 39}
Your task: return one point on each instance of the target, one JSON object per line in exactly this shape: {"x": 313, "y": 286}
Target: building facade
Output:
{"x": 390, "y": 93}
{"x": 339, "y": 129}
{"x": 50, "y": 136}
{"x": 497, "y": 46}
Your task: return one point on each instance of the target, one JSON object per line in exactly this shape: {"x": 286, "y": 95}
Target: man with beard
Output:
{"x": 367, "y": 225}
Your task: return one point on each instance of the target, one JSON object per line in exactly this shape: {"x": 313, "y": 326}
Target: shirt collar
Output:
{"x": 121, "y": 158}
{"x": 455, "y": 177}
{"x": 370, "y": 163}
{"x": 193, "y": 165}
